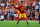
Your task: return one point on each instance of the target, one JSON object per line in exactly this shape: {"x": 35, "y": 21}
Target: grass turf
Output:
{"x": 21, "y": 24}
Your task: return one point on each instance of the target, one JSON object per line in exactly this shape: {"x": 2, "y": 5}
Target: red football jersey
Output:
{"x": 20, "y": 8}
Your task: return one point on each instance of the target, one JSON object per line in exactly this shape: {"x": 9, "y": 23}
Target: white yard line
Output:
{"x": 19, "y": 21}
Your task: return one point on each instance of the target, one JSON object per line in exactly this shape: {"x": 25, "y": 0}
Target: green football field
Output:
{"x": 21, "y": 24}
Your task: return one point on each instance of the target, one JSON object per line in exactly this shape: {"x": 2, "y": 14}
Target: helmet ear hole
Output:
{"x": 19, "y": 4}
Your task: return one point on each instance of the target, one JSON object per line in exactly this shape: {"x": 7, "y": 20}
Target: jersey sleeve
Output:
{"x": 24, "y": 8}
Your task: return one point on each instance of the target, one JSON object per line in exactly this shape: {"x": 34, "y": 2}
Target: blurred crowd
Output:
{"x": 7, "y": 10}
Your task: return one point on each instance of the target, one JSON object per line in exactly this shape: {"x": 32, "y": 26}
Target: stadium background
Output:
{"x": 7, "y": 3}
